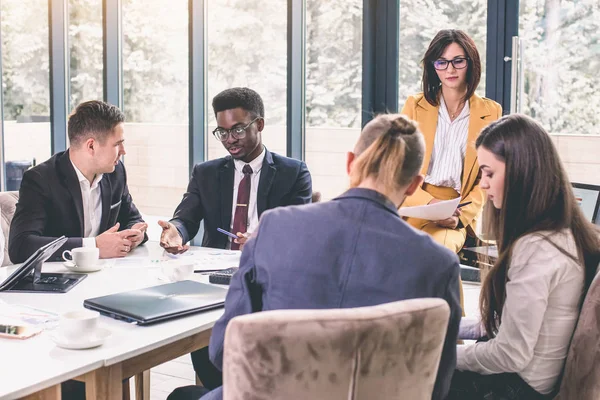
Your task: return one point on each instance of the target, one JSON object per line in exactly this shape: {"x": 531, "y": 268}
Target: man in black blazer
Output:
{"x": 274, "y": 181}
{"x": 80, "y": 193}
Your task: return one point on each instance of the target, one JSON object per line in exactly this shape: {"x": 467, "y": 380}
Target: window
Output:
{"x": 85, "y": 51}
{"x": 25, "y": 84}
{"x": 155, "y": 90}
{"x": 420, "y": 21}
{"x": 247, "y": 46}
{"x": 333, "y": 90}
{"x": 561, "y": 59}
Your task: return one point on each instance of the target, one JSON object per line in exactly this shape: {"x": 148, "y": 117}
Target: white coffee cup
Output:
{"x": 82, "y": 257}
{"x": 178, "y": 272}
{"x": 74, "y": 325}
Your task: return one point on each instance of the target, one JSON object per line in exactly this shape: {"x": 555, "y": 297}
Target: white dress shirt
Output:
{"x": 449, "y": 148}
{"x": 543, "y": 293}
{"x": 238, "y": 175}
{"x": 92, "y": 207}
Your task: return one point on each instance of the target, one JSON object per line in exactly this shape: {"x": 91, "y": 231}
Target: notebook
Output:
{"x": 159, "y": 303}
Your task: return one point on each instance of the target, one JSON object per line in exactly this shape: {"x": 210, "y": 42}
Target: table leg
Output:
{"x": 105, "y": 383}
{"x": 51, "y": 393}
{"x": 142, "y": 385}
{"x": 126, "y": 389}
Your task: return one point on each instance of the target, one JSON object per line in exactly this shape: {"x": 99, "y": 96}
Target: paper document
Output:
{"x": 24, "y": 315}
{"x": 431, "y": 212}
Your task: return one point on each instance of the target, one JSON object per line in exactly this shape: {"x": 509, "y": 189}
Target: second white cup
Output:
{"x": 178, "y": 272}
{"x": 74, "y": 325}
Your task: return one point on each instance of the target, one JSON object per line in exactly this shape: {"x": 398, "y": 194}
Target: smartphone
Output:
{"x": 18, "y": 331}
{"x": 231, "y": 235}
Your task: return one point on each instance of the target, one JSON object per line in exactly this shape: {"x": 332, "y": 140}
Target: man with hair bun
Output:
{"x": 352, "y": 251}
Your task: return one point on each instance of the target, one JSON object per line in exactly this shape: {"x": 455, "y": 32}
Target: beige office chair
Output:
{"x": 390, "y": 351}
{"x": 8, "y": 203}
{"x": 581, "y": 378}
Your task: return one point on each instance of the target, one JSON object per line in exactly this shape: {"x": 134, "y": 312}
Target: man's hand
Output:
{"x": 113, "y": 243}
{"x": 170, "y": 239}
{"x": 242, "y": 239}
{"x": 138, "y": 237}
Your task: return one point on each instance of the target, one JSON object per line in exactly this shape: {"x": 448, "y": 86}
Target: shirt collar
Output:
{"x": 444, "y": 110}
{"x": 372, "y": 195}
{"x": 82, "y": 177}
{"x": 255, "y": 164}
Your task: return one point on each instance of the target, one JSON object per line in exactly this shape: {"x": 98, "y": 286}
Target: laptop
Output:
{"x": 159, "y": 303}
{"x": 588, "y": 198}
{"x": 28, "y": 277}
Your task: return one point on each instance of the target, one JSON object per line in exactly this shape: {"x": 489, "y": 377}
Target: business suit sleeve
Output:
{"x": 301, "y": 192}
{"x": 244, "y": 297}
{"x": 27, "y": 226}
{"x": 188, "y": 215}
{"x": 448, "y": 360}
{"x": 129, "y": 215}
{"x": 420, "y": 197}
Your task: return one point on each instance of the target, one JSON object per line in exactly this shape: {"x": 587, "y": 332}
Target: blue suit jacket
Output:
{"x": 350, "y": 252}
{"x": 209, "y": 197}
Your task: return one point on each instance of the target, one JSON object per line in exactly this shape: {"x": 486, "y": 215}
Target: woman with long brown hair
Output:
{"x": 548, "y": 255}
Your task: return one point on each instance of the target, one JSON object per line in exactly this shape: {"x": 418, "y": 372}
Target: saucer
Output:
{"x": 70, "y": 265}
{"x": 95, "y": 340}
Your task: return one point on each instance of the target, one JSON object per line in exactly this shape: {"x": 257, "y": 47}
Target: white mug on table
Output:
{"x": 82, "y": 257}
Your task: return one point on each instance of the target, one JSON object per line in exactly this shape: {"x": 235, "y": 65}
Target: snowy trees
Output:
{"x": 247, "y": 46}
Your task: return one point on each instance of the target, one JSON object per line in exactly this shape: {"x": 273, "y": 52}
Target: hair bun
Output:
{"x": 402, "y": 126}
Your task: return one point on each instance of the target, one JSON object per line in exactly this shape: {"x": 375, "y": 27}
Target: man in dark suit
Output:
{"x": 273, "y": 180}
{"x": 257, "y": 179}
{"x": 80, "y": 193}
{"x": 353, "y": 251}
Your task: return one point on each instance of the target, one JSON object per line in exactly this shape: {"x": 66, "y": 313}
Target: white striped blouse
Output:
{"x": 449, "y": 148}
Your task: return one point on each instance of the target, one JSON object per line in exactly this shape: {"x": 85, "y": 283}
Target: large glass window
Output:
{"x": 420, "y": 20}
{"x": 25, "y": 85}
{"x": 333, "y": 90}
{"x": 247, "y": 46}
{"x": 155, "y": 87}
{"x": 561, "y": 59}
{"x": 85, "y": 51}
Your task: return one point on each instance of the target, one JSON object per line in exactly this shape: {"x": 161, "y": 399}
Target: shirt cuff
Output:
{"x": 88, "y": 242}
{"x": 460, "y": 357}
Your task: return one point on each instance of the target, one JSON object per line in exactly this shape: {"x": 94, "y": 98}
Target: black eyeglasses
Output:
{"x": 238, "y": 132}
{"x": 457, "y": 63}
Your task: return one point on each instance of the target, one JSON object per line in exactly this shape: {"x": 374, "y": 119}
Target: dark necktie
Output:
{"x": 240, "y": 219}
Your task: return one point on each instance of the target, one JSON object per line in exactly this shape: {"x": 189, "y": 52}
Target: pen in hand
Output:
{"x": 231, "y": 235}
{"x": 464, "y": 204}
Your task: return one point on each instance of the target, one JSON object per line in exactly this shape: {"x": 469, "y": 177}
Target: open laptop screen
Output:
{"x": 588, "y": 198}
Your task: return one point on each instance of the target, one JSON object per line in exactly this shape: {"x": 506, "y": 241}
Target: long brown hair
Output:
{"x": 431, "y": 81}
{"x": 537, "y": 197}
{"x": 390, "y": 149}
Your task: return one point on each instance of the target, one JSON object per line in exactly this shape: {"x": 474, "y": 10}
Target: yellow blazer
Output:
{"x": 483, "y": 111}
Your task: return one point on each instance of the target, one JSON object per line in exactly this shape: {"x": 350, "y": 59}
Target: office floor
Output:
{"x": 179, "y": 372}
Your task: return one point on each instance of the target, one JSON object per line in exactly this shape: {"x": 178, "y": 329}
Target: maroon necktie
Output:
{"x": 240, "y": 219}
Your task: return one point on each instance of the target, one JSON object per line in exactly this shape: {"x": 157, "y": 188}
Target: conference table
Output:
{"x": 35, "y": 367}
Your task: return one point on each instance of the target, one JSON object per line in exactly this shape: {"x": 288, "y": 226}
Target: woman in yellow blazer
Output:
{"x": 450, "y": 115}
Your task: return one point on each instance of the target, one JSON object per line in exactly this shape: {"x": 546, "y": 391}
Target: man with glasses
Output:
{"x": 232, "y": 192}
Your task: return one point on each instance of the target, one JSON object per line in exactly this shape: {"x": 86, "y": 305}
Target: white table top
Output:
{"x": 36, "y": 363}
